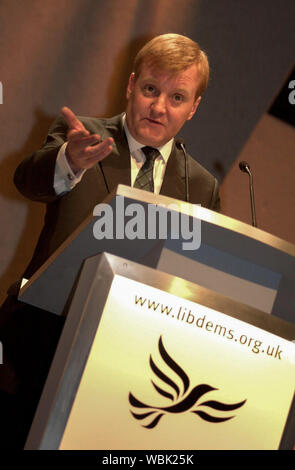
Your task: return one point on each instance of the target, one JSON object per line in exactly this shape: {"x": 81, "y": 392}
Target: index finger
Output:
{"x": 72, "y": 120}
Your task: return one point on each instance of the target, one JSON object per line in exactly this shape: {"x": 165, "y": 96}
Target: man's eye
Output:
{"x": 149, "y": 89}
{"x": 178, "y": 98}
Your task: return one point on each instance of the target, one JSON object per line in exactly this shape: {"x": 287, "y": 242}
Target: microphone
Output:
{"x": 180, "y": 145}
{"x": 245, "y": 167}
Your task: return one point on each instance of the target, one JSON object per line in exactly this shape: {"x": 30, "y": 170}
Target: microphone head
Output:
{"x": 180, "y": 144}
{"x": 244, "y": 166}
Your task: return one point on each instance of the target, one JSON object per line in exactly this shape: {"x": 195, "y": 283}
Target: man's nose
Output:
{"x": 159, "y": 104}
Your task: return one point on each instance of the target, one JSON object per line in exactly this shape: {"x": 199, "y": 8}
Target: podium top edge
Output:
{"x": 205, "y": 215}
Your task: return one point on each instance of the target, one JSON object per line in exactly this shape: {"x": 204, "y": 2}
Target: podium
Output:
{"x": 230, "y": 257}
{"x": 166, "y": 347}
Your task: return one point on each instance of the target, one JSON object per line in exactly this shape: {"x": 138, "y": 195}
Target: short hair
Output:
{"x": 174, "y": 53}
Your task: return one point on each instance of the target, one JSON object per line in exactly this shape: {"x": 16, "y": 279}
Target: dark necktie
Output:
{"x": 144, "y": 179}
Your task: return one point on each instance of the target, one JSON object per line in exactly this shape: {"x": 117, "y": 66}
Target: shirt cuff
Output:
{"x": 64, "y": 178}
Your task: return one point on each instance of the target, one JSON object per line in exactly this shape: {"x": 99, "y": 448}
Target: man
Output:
{"x": 85, "y": 158}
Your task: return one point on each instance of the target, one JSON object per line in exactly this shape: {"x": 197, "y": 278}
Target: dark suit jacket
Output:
{"x": 34, "y": 179}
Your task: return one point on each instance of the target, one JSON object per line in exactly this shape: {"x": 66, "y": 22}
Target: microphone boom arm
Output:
{"x": 245, "y": 167}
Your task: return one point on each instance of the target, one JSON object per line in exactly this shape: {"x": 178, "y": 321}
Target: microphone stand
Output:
{"x": 245, "y": 167}
{"x": 180, "y": 145}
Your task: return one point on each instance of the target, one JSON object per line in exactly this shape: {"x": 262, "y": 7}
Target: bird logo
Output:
{"x": 182, "y": 399}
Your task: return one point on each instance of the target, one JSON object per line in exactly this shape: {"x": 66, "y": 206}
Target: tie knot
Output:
{"x": 150, "y": 152}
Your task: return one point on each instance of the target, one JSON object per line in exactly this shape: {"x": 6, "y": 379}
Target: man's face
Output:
{"x": 159, "y": 103}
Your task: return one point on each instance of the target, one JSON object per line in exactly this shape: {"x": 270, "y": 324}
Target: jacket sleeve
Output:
{"x": 34, "y": 177}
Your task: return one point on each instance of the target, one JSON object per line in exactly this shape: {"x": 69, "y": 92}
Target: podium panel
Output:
{"x": 151, "y": 361}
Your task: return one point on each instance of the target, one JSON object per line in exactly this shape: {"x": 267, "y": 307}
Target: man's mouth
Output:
{"x": 154, "y": 122}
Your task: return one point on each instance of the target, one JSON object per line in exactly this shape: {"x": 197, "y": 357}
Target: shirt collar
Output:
{"x": 134, "y": 146}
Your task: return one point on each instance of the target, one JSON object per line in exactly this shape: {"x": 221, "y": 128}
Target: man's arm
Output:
{"x": 34, "y": 177}
{"x": 204, "y": 187}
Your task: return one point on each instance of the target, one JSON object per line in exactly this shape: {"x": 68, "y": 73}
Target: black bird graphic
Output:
{"x": 182, "y": 401}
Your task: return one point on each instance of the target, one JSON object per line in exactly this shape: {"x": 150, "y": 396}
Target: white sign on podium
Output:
{"x": 150, "y": 361}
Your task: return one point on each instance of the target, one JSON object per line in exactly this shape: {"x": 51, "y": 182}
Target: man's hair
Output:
{"x": 173, "y": 53}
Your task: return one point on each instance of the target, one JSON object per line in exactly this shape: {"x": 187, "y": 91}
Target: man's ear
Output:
{"x": 194, "y": 108}
{"x": 130, "y": 86}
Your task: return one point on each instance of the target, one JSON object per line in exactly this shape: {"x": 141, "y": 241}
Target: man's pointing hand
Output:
{"x": 83, "y": 150}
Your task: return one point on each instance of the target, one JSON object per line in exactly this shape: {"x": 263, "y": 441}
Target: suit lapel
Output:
{"x": 174, "y": 179}
{"x": 116, "y": 166}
